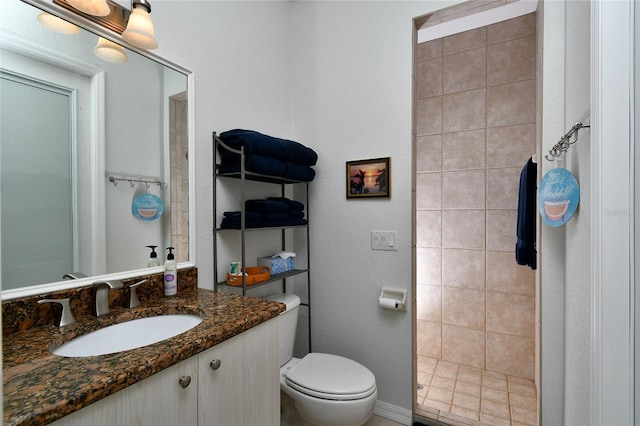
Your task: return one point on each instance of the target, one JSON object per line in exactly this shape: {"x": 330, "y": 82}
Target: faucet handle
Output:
{"x": 67, "y": 316}
{"x": 133, "y": 301}
{"x": 111, "y": 284}
{"x": 74, "y": 276}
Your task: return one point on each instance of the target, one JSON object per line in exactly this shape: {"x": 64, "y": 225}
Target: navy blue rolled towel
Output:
{"x": 264, "y": 206}
{"x": 256, "y": 143}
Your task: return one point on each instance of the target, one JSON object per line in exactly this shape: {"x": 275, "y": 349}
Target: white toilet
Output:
{"x": 328, "y": 390}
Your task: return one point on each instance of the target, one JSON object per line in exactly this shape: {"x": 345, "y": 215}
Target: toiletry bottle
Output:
{"x": 170, "y": 275}
{"x": 153, "y": 258}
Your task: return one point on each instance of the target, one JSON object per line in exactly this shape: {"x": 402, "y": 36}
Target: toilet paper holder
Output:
{"x": 393, "y": 298}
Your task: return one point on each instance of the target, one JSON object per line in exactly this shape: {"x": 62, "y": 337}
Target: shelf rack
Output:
{"x": 245, "y": 176}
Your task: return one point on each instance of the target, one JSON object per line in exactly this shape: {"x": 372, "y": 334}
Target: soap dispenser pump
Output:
{"x": 153, "y": 258}
{"x": 170, "y": 274}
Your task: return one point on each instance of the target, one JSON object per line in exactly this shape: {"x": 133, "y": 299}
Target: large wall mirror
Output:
{"x": 94, "y": 160}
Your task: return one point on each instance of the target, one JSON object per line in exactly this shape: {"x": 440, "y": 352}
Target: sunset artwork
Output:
{"x": 368, "y": 178}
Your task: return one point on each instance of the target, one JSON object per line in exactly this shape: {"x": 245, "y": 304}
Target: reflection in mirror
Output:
{"x": 93, "y": 164}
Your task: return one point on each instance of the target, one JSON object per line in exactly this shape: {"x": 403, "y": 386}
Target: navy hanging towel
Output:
{"x": 527, "y": 215}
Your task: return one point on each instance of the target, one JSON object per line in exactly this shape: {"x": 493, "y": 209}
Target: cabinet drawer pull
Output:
{"x": 185, "y": 381}
{"x": 215, "y": 364}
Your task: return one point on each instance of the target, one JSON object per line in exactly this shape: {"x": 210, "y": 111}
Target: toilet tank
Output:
{"x": 287, "y": 324}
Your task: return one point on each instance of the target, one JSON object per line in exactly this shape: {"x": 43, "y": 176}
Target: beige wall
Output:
{"x": 475, "y": 130}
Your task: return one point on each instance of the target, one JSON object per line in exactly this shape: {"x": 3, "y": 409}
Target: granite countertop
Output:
{"x": 40, "y": 387}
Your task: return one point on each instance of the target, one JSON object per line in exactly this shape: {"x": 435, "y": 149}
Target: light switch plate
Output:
{"x": 384, "y": 240}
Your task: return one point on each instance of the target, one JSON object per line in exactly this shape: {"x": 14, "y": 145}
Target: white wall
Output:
{"x": 564, "y": 267}
{"x": 586, "y": 348}
{"x": 240, "y": 55}
{"x": 352, "y": 69}
{"x": 337, "y": 77}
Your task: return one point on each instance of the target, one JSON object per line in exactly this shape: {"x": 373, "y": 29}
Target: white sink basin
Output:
{"x": 128, "y": 335}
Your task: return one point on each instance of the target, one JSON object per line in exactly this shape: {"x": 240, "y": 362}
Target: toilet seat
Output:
{"x": 331, "y": 377}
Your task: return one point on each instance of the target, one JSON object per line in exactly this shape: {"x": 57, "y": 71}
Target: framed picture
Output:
{"x": 369, "y": 178}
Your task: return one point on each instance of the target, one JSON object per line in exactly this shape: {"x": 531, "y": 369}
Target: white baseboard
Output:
{"x": 393, "y": 412}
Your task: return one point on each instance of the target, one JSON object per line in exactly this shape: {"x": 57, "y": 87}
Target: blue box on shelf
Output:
{"x": 279, "y": 262}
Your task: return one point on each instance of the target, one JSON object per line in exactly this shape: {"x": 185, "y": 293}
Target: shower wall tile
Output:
{"x": 463, "y": 189}
{"x": 429, "y": 266}
{"x": 464, "y": 111}
{"x": 429, "y": 228}
{"x": 464, "y": 150}
{"x": 512, "y": 60}
{"x": 429, "y": 50}
{"x": 467, "y": 40}
{"x": 502, "y": 188}
{"x": 429, "y": 302}
{"x": 429, "y": 78}
{"x": 522, "y": 26}
{"x": 511, "y": 314}
{"x": 429, "y": 153}
{"x": 429, "y": 116}
{"x": 510, "y": 146}
{"x": 463, "y": 345}
{"x": 501, "y": 229}
{"x": 429, "y": 191}
{"x": 463, "y": 307}
{"x": 511, "y": 355}
{"x": 463, "y": 268}
{"x": 465, "y": 71}
{"x": 510, "y": 103}
{"x": 463, "y": 229}
{"x": 475, "y": 130}
{"x": 505, "y": 275}
{"x": 429, "y": 340}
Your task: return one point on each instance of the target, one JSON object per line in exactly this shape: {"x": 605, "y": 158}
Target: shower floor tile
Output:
{"x": 459, "y": 395}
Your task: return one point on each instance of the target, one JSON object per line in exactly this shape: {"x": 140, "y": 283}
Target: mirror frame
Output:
{"x": 50, "y": 7}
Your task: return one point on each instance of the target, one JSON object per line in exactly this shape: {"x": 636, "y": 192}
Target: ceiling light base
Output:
{"x": 116, "y": 21}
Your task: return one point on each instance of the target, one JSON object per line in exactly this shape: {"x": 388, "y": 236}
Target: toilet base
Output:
{"x": 290, "y": 415}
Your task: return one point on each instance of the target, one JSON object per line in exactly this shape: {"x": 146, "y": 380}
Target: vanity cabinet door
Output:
{"x": 238, "y": 380}
{"x": 156, "y": 401}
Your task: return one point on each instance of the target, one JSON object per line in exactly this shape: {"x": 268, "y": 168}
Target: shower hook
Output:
{"x": 131, "y": 183}
{"x": 565, "y": 141}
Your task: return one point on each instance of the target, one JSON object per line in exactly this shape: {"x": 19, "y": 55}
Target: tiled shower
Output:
{"x": 475, "y": 130}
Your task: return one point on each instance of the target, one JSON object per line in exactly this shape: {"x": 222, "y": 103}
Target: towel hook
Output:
{"x": 565, "y": 142}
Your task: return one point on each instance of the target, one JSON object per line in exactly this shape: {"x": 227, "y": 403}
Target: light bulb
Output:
{"x": 91, "y": 7}
{"x": 58, "y": 25}
{"x": 139, "y": 31}
{"x": 110, "y": 51}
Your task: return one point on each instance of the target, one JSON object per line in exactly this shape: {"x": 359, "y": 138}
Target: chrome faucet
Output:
{"x": 133, "y": 301}
{"x": 66, "y": 317}
{"x": 102, "y": 295}
{"x": 73, "y": 276}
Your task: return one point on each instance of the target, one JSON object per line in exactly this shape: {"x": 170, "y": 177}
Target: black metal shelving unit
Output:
{"x": 245, "y": 177}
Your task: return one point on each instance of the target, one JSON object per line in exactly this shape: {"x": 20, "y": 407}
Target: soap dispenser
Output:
{"x": 170, "y": 274}
{"x": 153, "y": 258}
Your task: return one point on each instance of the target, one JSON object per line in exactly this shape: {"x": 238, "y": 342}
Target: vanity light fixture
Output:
{"x": 58, "y": 25}
{"x": 110, "y": 51}
{"x": 133, "y": 24}
{"x": 139, "y": 31}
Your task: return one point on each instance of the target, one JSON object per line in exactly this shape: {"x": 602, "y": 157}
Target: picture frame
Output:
{"x": 369, "y": 178}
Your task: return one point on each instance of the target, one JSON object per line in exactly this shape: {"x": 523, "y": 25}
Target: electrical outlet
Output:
{"x": 384, "y": 240}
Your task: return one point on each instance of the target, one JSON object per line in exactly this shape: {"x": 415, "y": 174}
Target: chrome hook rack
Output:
{"x": 565, "y": 142}
{"x": 114, "y": 179}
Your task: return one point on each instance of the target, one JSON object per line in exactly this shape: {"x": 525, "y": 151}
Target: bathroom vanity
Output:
{"x": 223, "y": 371}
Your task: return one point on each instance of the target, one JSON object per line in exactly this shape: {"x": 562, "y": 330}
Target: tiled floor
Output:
{"x": 459, "y": 395}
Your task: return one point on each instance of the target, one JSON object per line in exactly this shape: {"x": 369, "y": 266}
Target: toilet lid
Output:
{"x": 331, "y": 377}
